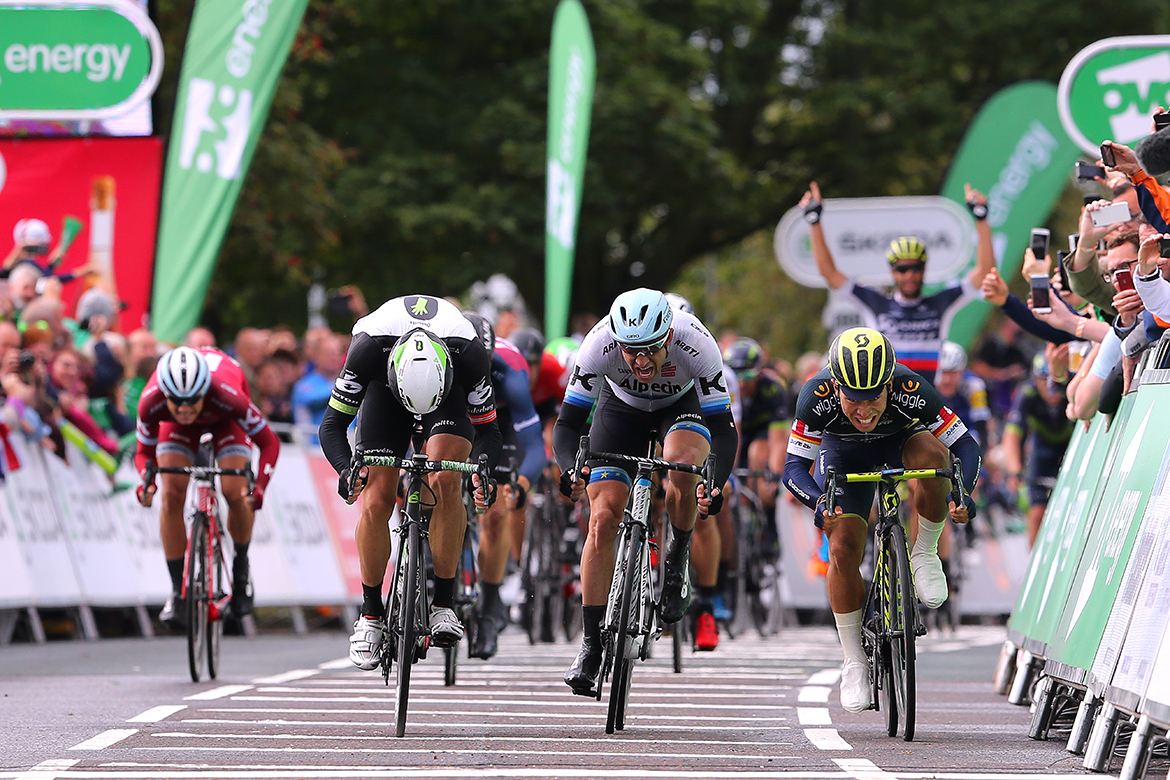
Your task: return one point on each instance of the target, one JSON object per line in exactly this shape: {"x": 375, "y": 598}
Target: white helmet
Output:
{"x": 183, "y": 375}
{"x": 952, "y": 357}
{"x": 419, "y": 371}
{"x": 640, "y": 317}
{"x": 679, "y": 303}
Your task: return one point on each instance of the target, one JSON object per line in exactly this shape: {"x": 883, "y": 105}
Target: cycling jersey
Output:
{"x": 510, "y": 384}
{"x": 912, "y": 402}
{"x": 767, "y": 408}
{"x": 915, "y": 328}
{"x": 228, "y": 412}
{"x": 374, "y": 337}
{"x": 970, "y": 403}
{"x": 549, "y": 391}
{"x": 1047, "y": 423}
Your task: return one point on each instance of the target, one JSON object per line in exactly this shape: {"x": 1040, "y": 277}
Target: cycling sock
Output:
{"x": 372, "y": 600}
{"x": 928, "y": 534}
{"x": 678, "y": 546}
{"x": 849, "y": 632}
{"x": 175, "y": 568}
{"x": 444, "y": 592}
{"x": 591, "y": 618}
{"x": 707, "y": 593}
{"x": 721, "y": 577}
{"x": 491, "y": 598}
{"x": 240, "y": 567}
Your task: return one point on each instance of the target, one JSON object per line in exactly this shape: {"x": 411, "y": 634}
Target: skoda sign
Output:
{"x": 1110, "y": 88}
{"x": 75, "y": 60}
{"x": 858, "y": 231}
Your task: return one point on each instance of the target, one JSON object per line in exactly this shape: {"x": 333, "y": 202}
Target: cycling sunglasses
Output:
{"x": 648, "y": 351}
{"x": 908, "y": 267}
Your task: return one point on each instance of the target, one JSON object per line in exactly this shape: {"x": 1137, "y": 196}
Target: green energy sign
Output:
{"x": 87, "y": 60}
{"x": 1110, "y": 88}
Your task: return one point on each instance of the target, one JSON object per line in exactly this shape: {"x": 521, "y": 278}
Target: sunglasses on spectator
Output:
{"x": 906, "y": 268}
{"x": 648, "y": 351}
{"x": 1108, "y": 275}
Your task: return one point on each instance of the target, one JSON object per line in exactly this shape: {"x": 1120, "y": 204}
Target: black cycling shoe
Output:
{"x": 174, "y": 612}
{"x": 241, "y": 604}
{"x": 676, "y": 592}
{"x": 583, "y": 675}
{"x": 487, "y": 635}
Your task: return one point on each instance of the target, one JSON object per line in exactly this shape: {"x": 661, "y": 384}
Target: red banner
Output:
{"x": 111, "y": 185}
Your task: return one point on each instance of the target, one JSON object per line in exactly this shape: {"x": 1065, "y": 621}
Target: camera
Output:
{"x": 26, "y": 361}
{"x": 1088, "y": 171}
{"x": 1040, "y": 300}
{"x": 1107, "y": 157}
{"x": 1123, "y": 279}
{"x": 1164, "y": 247}
{"x": 1161, "y": 121}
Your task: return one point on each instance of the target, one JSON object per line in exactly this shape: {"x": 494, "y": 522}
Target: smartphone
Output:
{"x": 1039, "y": 242}
{"x": 1123, "y": 279}
{"x": 1164, "y": 247}
{"x": 339, "y": 305}
{"x": 1091, "y": 199}
{"x": 1107, "y": 156}
{"x": 1073, "y": 239}
{"x": 1060, "y": 269}
{"x": 1088, "y": 171}
{"x": 1041, "y": 303}
{"x": 1161, "y": 121}
{"x": 1111, "y": 214}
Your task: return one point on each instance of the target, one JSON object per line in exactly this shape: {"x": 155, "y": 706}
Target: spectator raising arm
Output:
{"x": 1151, "y": 286}
{"x": 812, "y": 204}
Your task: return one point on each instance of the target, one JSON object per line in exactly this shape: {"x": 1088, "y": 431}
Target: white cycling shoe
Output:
{"x": 446, "y": 630}
{"x": 366, "y": 642}
{"x": 855, "y": 687}
{"x": 929, "y": 580}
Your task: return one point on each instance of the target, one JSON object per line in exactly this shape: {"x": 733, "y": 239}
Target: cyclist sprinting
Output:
{"x": 414, "y": 358}
{"x": 648, "y": 368}
{"x": 192, "y": 392}
{"x": 860, "y": 413}
{"x": 523, "y": 447}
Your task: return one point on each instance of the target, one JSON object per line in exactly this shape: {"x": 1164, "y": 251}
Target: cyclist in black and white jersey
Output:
{"x": 916, "y": 325}
{"x": 647, "y": 367}
{"x": 414, "y": 358}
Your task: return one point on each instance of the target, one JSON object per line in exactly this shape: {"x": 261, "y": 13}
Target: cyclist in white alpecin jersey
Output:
{"x": 648, "y": 368}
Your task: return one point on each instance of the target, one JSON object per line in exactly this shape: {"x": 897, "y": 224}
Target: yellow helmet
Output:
{"x": 861, "y": 361}
{"x": 906, "y": 248}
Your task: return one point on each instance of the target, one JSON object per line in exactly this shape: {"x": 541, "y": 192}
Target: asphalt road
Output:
{"x": 288, "y": 706}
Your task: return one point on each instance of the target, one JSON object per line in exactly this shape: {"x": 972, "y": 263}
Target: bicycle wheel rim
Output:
{"x": 197, "y": 598}
{"x": 215, "y": 627}
{"x": 407, "y": 630}
{"x": 904, "y": 611}
{"x": 619, "y": 693}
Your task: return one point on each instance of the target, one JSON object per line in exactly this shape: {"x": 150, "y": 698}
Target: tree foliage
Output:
{"x": 406, "y": 146}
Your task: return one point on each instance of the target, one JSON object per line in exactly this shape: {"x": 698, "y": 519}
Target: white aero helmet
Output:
{"x": 419, "y": 372}
{"x": 952, "y": 357}
{"x": 640, "y": 317}
{"x": 183, "y": 375}
{"x": 679, "y": 303}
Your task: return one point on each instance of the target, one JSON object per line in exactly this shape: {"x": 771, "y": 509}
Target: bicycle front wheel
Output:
{"x": 901, "y": 616}
{"x": 408, "y": 634}
{"x": 218, "y": 591}
{"x": 623, "y": 635}
{"x": 197, "y": 602}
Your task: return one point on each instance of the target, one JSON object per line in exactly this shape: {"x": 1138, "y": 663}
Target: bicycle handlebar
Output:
{"x": 386, "y": 458}
{"x": 198, "y": 472}
{"x": 891, "y": 476}
{"x": 705, "y": 472}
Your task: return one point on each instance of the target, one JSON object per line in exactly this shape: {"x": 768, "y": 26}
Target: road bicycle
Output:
{"x": 408, "y": 629}
{"x": 206, "y": 590}
{"x": 891, "y": 623}
{"x": 631, "y": 614}
{"x": 551, "y": 576}
{"x": 466, "y": 593}
{"x": 758, "y": 592}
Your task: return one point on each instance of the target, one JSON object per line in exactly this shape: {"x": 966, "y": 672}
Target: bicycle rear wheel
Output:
{"x": 623, "y": 666}
{"x": 408, "y": 610}
{"x": 901, "y": 614}
{"x": 218, "y": 590}
{"x": 197, "y": 604}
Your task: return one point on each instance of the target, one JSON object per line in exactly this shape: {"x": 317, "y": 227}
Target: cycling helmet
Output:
{"x": 183, "y": 375}
{"x": 484, "y": 329}
{"x": 530, "y": 342}
{"x": 1040, "y": 366}
{"x": 744, "y": 356}
{"x": 419, "y": 371}
{"x": 640, "y": 318}
{"x": 906, "y": 248}
{"x": 679, "y": 303}
{"x": 952, "y": 357}
{"x": 861, "y": 361}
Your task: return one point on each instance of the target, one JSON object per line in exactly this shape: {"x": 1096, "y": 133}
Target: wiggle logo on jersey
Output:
{"x": 908, "y": 401}
{"x": 822, "y": 390}
{"x": 911, "y": 386}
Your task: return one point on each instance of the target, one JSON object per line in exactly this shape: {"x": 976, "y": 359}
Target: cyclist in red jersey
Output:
{"x": 546, "y": 377}
{"x": 192, "y": 392}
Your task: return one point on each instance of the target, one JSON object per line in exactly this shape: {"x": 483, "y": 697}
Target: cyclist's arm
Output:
{"x": 265, "y": 439}
{"x": 473, "y": 370}
{"x": 799, "y": 480}
{"x": 777, "y": 445}
{"x": 724, "y": 444}
{"x": 526, "y": 423}
{"x": 567, "y": 432}
{"x": 966, "y": 449}
{"x": 363, "y": 364}
{"x": 146, "y": 429}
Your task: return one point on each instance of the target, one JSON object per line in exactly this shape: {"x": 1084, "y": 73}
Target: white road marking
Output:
{"x": 827, "y": 739}
{"x": 155, "y": 714}
{"x": 814, "y": 693}
{"x": 105, "y": 739}
{"x": 337, "y": 663}
{"x": 47, "y": 769}
{"x": 351, "y": 749}
{"x": 520, "y": 702}
{"x": 217, "y": 693}
{"x": 283, "y": 677}
{"x": 811, "y": 716}
{"x": 863, "y": 769}
{"x": 826, "y": 676}
{"x": 585, "y": 715}
{"x": 446, "y": 725}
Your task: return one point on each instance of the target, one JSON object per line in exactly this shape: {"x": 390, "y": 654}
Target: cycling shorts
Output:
{"x": 1043, "y": 468}
{"x": 847, "y": 456}
{"x": 510, "y": 454}
{"x": 384, "y": 424}
{"x": 620, "y": 428}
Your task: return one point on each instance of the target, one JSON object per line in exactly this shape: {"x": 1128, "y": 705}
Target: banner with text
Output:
{"x": 234, "y": 55}
{"x": 571, "y": 72}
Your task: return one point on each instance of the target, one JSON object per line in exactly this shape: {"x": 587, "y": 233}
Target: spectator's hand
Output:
{"x": 1125, "y": 158}
{"x": 357, "y": 301}
{"x": 995, "y": 289}
{"x": 1060, "y": 317}
{"x": 1057, "y": 356}
{"x": 1034, "y": 265}
{"x": 1129, "y": 305}
{"x": 98, "y": 324}
{"x": 1148, "y": 255}
{"x": 1090, "y": 233}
